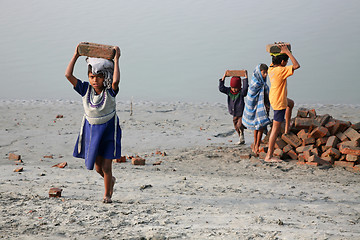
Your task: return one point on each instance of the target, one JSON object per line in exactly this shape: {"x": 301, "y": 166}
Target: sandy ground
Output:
{"x": 204, "y": 188}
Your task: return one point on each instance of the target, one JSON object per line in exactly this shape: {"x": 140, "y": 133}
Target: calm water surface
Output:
{"x": 177, "y": 50}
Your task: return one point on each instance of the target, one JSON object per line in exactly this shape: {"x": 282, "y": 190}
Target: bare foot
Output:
{"x": 272, "y": 159}
{"x": 107, "y": 200}
{"x": 256, "y": 151}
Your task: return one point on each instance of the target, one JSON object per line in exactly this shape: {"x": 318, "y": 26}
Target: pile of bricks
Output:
{"x": 320, "y": 140}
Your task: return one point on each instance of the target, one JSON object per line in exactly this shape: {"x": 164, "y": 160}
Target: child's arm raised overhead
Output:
{"x": 70, "y": 68}
{"x": 116, "y": 75}
{"x": 245, "y": 84}
{"x": 295, "y": 63}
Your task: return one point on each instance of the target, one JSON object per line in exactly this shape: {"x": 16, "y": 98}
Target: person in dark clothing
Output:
{"x": 235, "y": 99}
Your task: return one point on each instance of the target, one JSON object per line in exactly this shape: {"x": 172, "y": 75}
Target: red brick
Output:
{"x": 352, "y": 158}
{"x": 302, "y": 112}
{"x": 19, "y": 169}
{"x": 322, "y": 148}
{"x": 263, "y": 149}
{"x": 305, "y": 123}
{"x": 312, "y": 158}
{"x": 315, "y": 151}
{"x": 243, "y": 156}
{"x": 159, "y": 163}
{"x": 344, "y": 125}
{"x": 356, "y": 126}
{"x": 120, "y": 160}
{"x": 352, "y": 134}
{"x": 280, "y": 143}
{"x": 235, "y": 73}
{"x": 308, "y": 141}
{"x": 312, "y": 113}
{"x": 324, "y": 119}
{"x": 349, "y": 143}
{"x": 332, "y": 142}
{"x": 343, "y": 157}
{"x": 301, "y": 157}
{"x": 344, "y": 164}
{"x": 333, "y": 152}
{"x": 304, "y": 148}
{"x": 278, "y": 153}
{"x": 350, "y": 150}
{"x": 328, "y": 159}
{"x": 61, "y": 165}
{"x": 333, "y": 126}
{"x": 321, "y": 141}
{"x": 13, "y": 156}
{"x": 291, "y": 139}
{"x": 275, "y": 48}
{"x": 307, "y": 154}
{"x": 138, "y": 161}
{"x": 262, "y": 155}
{"x": 96, "y": 50}
{"x": 287, "y": 148}
{"x": 342, "y": 136}
{"x": 55, "y": 192}
{"x": 318, "y": 160}
{"x": 292, "y": 154}
{"x": 356, "y": 167}
{"x": 319, "y": 132}
{"x": 313, "y": 163}
{"x": 303, "y": 134}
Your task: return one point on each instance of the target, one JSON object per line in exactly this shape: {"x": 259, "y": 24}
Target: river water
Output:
{"x": 177, "y": 50}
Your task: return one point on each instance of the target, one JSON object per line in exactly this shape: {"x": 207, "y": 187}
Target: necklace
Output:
{"x": 94, "y": 100}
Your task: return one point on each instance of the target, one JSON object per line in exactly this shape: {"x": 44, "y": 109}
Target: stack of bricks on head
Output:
{"x": 318, "y": 140}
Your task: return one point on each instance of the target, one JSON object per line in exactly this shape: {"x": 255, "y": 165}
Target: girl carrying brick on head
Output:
{"x": 99, "y": 140}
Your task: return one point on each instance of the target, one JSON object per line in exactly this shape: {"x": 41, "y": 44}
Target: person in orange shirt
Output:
{"x": 282, "y": 105}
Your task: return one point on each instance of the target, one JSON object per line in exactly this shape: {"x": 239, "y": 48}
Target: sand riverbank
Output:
{"x": 203, "y": 189}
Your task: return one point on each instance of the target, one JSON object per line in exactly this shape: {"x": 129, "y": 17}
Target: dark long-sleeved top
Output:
{"x": 235, "y": 104}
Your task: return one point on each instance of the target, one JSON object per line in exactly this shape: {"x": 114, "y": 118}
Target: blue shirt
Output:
{"x": 235, "y": 107}
{"x": 82, "y": 87}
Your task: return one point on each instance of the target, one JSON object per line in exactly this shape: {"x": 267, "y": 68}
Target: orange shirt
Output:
{"x": 278, "y": 89}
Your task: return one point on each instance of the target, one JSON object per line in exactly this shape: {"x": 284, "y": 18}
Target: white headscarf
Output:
{"x": 102, "y": 66}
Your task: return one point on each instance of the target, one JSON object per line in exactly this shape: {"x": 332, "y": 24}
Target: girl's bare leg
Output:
{"x": 104, "y": 167}
{"x": 255, "y": 139}
{"x": 258, "y": 140}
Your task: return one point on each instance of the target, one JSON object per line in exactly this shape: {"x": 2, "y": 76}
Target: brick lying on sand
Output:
{"x": 19, "y": 169}
{"x": 344, "y": 164}
{"x": 61, "y": 165}
{"x": 13, "y": 156}
{"x": 138, "y": 161}
{"x": 55, "y": 192}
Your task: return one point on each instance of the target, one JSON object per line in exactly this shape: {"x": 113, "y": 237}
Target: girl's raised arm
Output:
{"x": 116, "y": 75}
{"x": 70, "y": 68}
